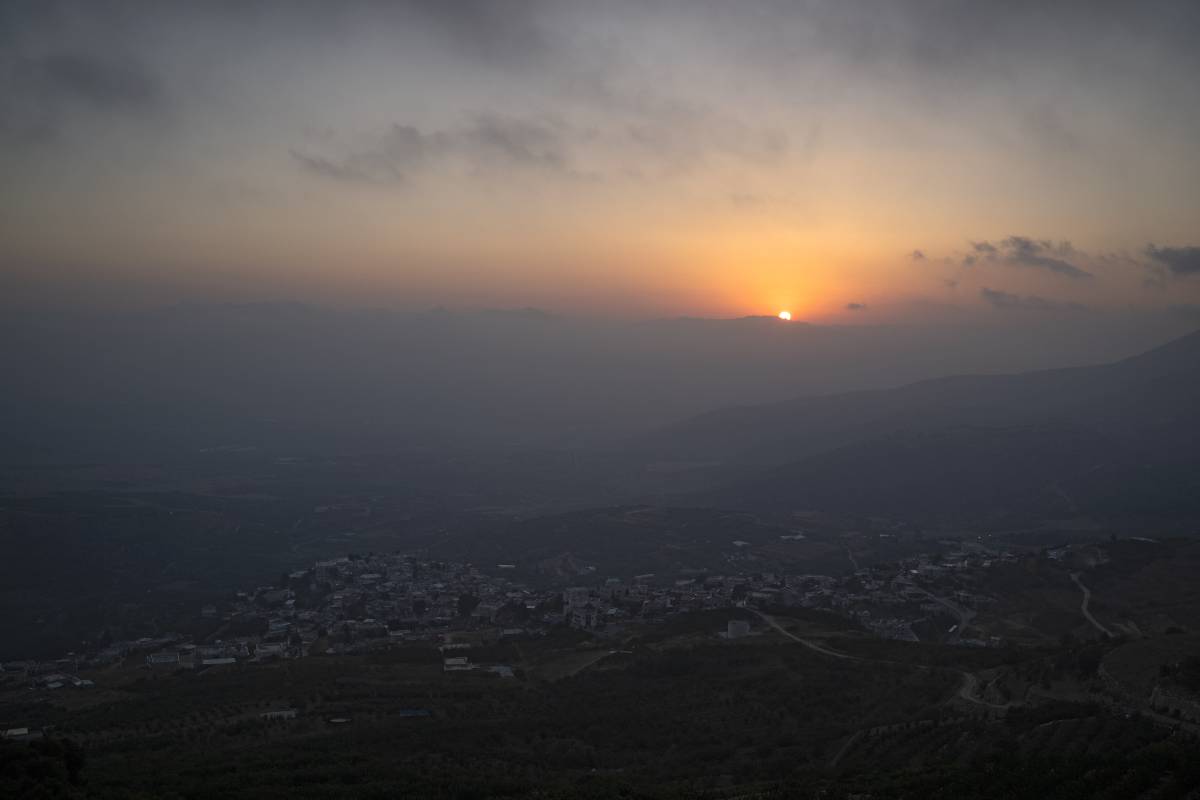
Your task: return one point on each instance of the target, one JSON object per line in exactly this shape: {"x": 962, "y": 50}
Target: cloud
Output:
{"x": 1042, "y": 254}
{"x": 513, "y": 141}
{"x": 856, "y": 306}
{"x": 105, "y": 83}
{"x": 668, "y": 136}
{"x": 1155, "y": 280}
{"x": 1006, "y": 301}
{"x": 1022, "y": 251}
{"x": 41, "y": 93}
{"x": 353, "y": 169}
{"x": 501, "y": 32}
{"x": 1179, "y": 260}
{"x": 661, "y": 142}
{"x": 1049, "y": 127}
{"x": 672, "y": 133}
{"x": 488, "y": 142}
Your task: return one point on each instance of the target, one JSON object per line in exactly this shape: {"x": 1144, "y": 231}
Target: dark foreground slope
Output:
{"x": 689, "y": 717}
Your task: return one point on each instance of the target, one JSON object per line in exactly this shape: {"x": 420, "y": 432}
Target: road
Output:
{"x": 853, "y": 560}
{"x": 1083, "y": 606}
{"x": 967, "y": 691}
{"x": 965, "y": 615}
{"x": 809, "y": 644}
{"x": 833, "y": 762}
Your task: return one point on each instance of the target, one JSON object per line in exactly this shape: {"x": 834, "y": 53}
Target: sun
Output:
{"x": 786, "y": 316}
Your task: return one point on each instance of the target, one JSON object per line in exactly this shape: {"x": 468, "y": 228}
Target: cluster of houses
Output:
{"x": 889, "y": 598}
{"x": 59, "y": 673}
{"x": 361, "y": 603}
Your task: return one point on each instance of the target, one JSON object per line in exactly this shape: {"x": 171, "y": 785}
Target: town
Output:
{"x": 364, "y": 603}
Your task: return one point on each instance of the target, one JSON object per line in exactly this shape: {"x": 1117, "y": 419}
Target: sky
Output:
{"x": 852, "y": 162}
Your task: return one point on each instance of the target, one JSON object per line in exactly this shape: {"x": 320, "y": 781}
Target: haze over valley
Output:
{"x": 639, "y": 399}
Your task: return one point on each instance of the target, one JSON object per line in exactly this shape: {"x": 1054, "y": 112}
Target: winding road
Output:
{"x": 809, "y": 644}
{"x": 833, "y": 762}
{"x": 1083, "y": 606}
{"x": 853, "y": 560}
{"x": 970, "y": 683}
{"x": 964, "y": 614}
{"x": 967, "y": 691}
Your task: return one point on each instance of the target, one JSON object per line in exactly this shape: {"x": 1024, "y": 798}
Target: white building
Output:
{"x": 737, "y": 628}
{"x": 576, "y": 596}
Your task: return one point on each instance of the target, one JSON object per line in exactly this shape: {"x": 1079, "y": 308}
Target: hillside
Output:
{"x": 1145, "y": 398}
{"x": 1055, "y": 442}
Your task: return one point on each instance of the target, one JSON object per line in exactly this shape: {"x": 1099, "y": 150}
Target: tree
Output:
{"x": 466, "y": 604}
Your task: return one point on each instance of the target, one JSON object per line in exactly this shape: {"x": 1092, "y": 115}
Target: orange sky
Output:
{"x": 624, "y": 161}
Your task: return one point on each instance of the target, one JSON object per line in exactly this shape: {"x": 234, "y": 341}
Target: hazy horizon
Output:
{"x": 599, "y": 399}
{"x": 167, "y": 381}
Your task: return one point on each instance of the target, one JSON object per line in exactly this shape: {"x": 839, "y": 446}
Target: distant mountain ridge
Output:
{"x": 1143, "y": 392}
{"x": 153, "y": 384}
{"x": 1122, "y": 437}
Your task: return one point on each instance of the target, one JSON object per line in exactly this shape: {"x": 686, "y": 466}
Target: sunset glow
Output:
{"x": 622, "y": 160}
{"x": 373, "y": 368}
